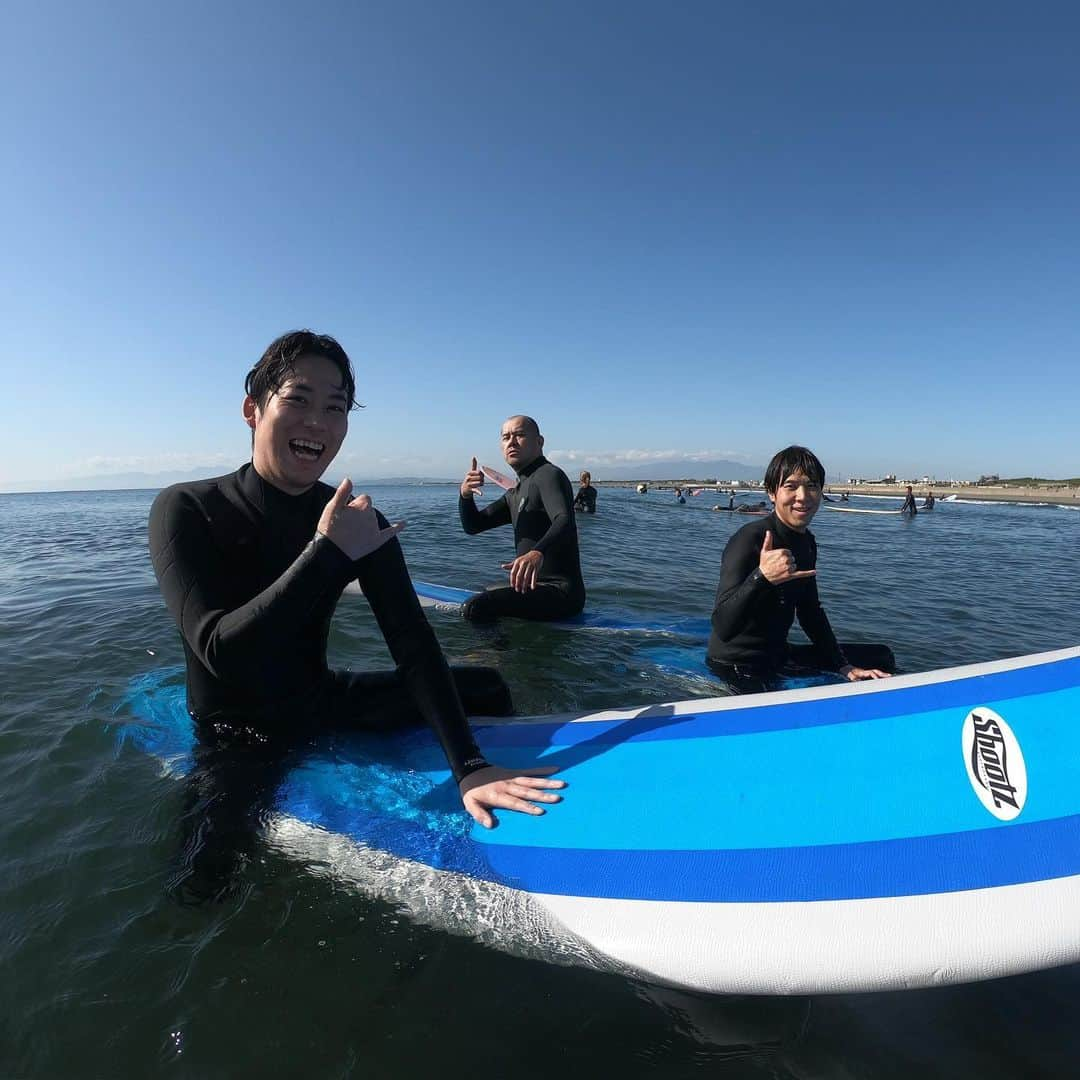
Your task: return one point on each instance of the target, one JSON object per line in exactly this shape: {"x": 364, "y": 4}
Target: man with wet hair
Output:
{"x": 767, "y": 579}
{"x": 251, "y": 566}
{"x": 545, "y": 577}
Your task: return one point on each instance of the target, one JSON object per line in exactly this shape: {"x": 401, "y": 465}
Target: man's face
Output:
{"x": 796, "y": 500}
{"x": 302, "y": 426}
{"x": 521, "y": 444}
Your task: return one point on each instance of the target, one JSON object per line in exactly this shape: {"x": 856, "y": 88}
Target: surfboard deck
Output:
{"x": 908, "y": 832}
{"x": 858, "y": 510}
{"x": 448, "y": 599}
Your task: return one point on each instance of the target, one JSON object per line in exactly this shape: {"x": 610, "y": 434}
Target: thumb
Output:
{"x": 767, "y": 546}
{"x": 473, "y": 469}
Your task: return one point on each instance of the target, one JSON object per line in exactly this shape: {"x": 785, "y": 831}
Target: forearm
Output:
{"x": 384, "y": 578}
{"x": 474, "y": 520}
{"x": 818, "y": 629}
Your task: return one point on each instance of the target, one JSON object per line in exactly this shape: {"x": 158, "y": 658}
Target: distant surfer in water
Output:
{"x": 252, "y": 564}
{"x": 545, "y": 577}
{"x": 585, "y": 499}
{"x": 928, "y": 502}
{"x": 767, "y": 579}
{"x": 909, "y": 506}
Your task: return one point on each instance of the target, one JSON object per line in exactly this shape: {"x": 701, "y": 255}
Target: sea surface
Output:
{"x": 295, "y": 972}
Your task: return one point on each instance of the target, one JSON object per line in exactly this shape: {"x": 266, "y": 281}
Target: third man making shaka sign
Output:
{"x": 767, "y": 578}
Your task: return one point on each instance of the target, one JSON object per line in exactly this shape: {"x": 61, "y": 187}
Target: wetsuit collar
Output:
{"x": 265, "y": 496}
{"x": 531, "y": 468}
{"x": 782, "y": 532}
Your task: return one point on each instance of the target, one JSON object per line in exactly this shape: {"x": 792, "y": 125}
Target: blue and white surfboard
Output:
{"x": 902, "y": 833}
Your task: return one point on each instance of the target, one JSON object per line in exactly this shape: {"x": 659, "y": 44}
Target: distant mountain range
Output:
{"x": 672, "y": 470}
{"x": 154, "y": 481}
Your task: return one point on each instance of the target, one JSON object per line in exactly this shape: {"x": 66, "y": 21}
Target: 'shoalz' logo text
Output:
{"x": 995, "y": 763}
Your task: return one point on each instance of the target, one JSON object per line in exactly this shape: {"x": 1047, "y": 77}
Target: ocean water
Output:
{"x": 296, "y": 971}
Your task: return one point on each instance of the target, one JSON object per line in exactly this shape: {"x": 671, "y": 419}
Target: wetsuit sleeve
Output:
{"x": 384, "y": 578}
{"x": 741, "y": 584}
{"x": 815, "y": 623}
{"x": 557, "y": 495}
{"x": 233, "y": 643}
{"x": 474, "y": 520}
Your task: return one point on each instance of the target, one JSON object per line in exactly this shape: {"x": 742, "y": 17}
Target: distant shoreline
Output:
{"x": 1049, "y": 495}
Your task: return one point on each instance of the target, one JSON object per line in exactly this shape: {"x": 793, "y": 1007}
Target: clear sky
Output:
{"x": 704, "y": 228}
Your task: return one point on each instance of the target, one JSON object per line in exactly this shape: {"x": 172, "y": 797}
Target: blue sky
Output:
{"x": 701, "y": 228}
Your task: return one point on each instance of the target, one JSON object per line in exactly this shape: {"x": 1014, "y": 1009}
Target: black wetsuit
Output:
{"x": 928, "y": 503}
{"x": 748, "y": 646}
{"x": 909, "y": 506}
{"x": 252, "y": 588}
{"x": 540, "y": 507}
{"x": 585, "y": 500}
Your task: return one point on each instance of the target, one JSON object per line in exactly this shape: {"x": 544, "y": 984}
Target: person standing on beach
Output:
{"x": 768, "y": 579}
{"x": 251, "y": 566}
{"x": 585, "y": 499}
{"x": 909, "y": 506}
{"x": 545, "y": 577}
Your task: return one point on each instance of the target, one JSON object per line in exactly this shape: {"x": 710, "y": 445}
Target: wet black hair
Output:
{"x": 279, "y": 362}
{"x": 790, "y": 460}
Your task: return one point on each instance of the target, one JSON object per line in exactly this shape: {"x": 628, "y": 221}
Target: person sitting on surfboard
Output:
{"x": 767, "y": 578}
{"x": 251, "y": 566}
{"x": 928, "y": 502}
{"x": 545, "y": 577}
{"x": 585, "y": 499}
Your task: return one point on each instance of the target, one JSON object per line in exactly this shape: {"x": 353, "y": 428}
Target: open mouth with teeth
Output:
{"x": 307, "y": 450}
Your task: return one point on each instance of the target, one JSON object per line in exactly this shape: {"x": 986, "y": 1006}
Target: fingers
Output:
{"x": 862, "y": 674}
{"x": 538, "y": 778}
{"x": 361, "y": 502}
{"x": 767, "y": 546}
{"x": 472, "y": 467}
{"x": 390, "y": 532}
{"x": 341, "y": 495}
{"x": 479, "y": 814}
{"x": 801, "y": 574}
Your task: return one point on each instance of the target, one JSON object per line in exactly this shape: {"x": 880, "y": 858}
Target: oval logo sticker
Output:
{"x": 995, "y": 763}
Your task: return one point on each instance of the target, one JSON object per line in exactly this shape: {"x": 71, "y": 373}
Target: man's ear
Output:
{"x": 540, "y": 439}
{"x": 249, "y": 411}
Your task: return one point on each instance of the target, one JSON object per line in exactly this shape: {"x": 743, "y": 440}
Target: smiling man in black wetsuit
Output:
{"x": 545, "y": 578}
{"x": 251, "y": 566}
{"x": 767, "y": 578}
